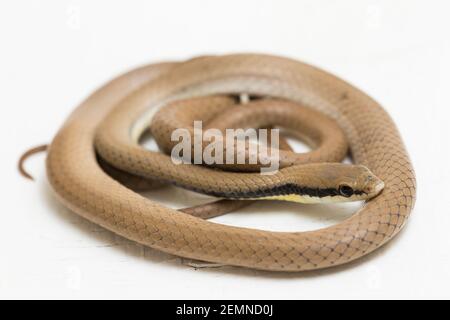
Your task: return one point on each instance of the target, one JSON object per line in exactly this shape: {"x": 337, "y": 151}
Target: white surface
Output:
{"x": 55, "y": 53}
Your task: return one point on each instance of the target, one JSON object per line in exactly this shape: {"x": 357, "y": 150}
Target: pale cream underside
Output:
{"x": 309, "y": 199}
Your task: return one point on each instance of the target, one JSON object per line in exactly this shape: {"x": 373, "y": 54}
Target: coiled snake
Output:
{"x": 116, "y": 115}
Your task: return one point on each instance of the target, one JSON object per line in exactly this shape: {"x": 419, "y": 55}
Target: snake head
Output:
{"x": 333, "y": 182}
{"x": 357, "y": 182}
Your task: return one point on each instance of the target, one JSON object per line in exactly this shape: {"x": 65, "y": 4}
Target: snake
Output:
{"x": 111, "y": 121}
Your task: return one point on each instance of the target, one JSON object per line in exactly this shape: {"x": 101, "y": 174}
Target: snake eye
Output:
{"x": 345, "y": 190}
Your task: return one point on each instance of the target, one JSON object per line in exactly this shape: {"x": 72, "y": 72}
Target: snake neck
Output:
{"x": 294, "y": 184}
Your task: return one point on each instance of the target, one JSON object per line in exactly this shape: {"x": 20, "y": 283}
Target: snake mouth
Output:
{"x": 379, "y": 187}
{"x": 376, "y": 189}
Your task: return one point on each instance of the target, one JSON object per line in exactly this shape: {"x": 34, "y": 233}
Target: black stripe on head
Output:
{"x": 281, "y": 190}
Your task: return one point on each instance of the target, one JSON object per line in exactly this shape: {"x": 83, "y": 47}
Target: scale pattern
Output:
{"x": 79, "y": 182}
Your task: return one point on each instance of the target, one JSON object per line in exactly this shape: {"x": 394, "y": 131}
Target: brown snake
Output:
{"x": 117, "y": 114}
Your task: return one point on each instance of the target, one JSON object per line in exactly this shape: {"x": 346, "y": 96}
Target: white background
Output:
{"x": 54, "y": 53}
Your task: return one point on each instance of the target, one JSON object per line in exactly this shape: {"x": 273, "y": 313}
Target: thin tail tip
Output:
{"x": 23, "y": 172}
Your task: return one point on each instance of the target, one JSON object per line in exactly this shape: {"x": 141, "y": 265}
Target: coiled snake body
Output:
{"x": 117, "y": 114}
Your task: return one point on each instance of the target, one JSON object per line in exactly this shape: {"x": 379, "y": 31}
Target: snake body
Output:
{"x": 116, "y": 115}
{"x": 221, "y": 113}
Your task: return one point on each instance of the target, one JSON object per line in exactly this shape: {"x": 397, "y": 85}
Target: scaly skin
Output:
{"x": 221, "y": 113}
{"x": 373, "y": 138}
